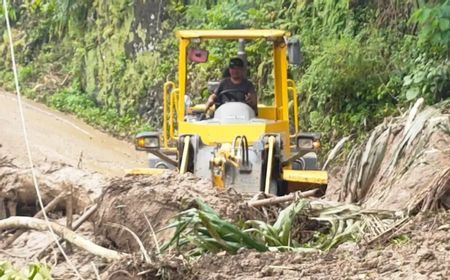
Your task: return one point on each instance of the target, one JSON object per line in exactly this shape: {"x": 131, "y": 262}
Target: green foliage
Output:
{"x": 201, "y": 229}
{"x": 76, "y": 102}
{"x": 11, "y": 12}
{"x": 345, "y": 81}
{"x": 204, "y": 228}
{"x": 401, "y": 239}
{"x": 34, "y": 271}
{"x": 26, "y": 72}
{"x": 434, "y": 25}
{"x": 429, "y": 78}
{"x": 279, "y": 234}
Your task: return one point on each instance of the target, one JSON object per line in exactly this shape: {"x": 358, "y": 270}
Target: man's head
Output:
{"x": 236, "y": 68}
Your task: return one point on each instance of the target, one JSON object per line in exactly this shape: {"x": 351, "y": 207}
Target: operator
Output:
{"x": 235, "y": 88}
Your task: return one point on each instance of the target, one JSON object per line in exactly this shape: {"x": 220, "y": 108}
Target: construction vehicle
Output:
{"x": 235, "y": 148}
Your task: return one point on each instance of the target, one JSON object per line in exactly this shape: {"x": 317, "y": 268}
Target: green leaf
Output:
{"x": 419, "y": 77}
{"x": 407, "y": 80}
{"x": 444, "y": 24}
{"x": 412, "y": 93}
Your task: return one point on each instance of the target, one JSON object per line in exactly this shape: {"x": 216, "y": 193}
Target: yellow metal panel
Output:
{"x": 218, "y": 182}
{"x": 280, "y": 71}
{"x": 173, "y": 106}
{"x": 145, "y": 171}
{"x": 165, "y": 96}
{"x": 232, "y": 34}
{"x": 223, "y": 133}
{"x": 281, "y": 94}
{"x": 198, "y": 107}
{"x": 306, "y": 176}
{"x": 182, "y": 78}
{"x": 267, "y": 112}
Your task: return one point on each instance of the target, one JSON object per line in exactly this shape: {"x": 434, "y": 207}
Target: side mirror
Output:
{"x": 197, "y": 55}
{"x": 294, "y": 54}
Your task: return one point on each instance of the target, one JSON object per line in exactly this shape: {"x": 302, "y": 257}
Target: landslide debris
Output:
{"x": 403, "y": 165}
{"x": 131, "y": 201}
{"x": 420, "y": 250}
{"x": 18, "y": 195}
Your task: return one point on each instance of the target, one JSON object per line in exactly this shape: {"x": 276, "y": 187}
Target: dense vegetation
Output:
{"x": 363, "y": 60}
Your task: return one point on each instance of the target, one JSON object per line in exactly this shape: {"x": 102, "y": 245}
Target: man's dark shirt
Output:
{"x": 245, "y": 87}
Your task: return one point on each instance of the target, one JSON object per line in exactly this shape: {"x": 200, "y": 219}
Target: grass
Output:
{"x": 77, "y": 103}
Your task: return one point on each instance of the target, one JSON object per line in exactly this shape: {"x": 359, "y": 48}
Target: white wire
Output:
{"x": 25, "y": 133}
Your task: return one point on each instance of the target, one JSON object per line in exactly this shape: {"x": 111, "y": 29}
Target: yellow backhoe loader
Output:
{"x": 237, "y": 148}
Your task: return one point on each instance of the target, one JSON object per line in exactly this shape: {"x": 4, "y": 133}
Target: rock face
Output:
{"x": 122, "y": 67}
{"x": 145, "y": 27}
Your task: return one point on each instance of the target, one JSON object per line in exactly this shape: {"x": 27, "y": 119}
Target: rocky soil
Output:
{"x": 421, "y": 250}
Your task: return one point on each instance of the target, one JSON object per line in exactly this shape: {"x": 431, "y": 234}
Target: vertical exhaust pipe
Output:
{"x": 242, "y": 54}
{"x": 241, "y": 51}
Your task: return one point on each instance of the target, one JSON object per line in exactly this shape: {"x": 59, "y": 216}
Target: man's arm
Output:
{"x": 213, "y": 96}
{"x": 210, "y": 102}
{"x": 250, "y": 97}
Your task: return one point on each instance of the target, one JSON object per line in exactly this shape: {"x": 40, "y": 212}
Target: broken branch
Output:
{"x": 281, "y": 199}
{"x": 72, "y": 237}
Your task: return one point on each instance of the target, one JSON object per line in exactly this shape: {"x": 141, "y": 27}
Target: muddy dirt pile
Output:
{"x": 131, "y": 201}
{"x": 421, "y": 250}
{"x": 404, "y": 164}
{"x": 18, "y": 195}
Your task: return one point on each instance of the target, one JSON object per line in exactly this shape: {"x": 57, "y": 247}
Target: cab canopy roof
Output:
{"x": 270, "y": 34}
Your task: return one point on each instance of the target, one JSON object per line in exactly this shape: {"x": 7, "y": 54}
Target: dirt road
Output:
{"x": 58, "y": 137}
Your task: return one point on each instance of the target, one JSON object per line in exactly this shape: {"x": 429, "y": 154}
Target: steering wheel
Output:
{"x": 230, "y": 95}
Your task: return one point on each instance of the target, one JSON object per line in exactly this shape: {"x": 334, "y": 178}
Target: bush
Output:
{"x": 72, "y": 100}
{"x": 342, "y": 86}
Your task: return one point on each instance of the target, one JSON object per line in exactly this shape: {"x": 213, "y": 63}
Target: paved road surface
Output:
{"x": 55, "y": 136}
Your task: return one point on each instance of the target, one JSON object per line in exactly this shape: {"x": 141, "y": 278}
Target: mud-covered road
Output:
{"x": 58, "y": 137}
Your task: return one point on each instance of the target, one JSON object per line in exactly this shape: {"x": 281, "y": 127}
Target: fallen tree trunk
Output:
{"x": 47, "y": 208}
{"x": 76, "y": 225}
{"x": 281, "y": 199}
{"x": 72, "y": 237}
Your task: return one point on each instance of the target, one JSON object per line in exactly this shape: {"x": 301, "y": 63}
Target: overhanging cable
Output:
{"x": 27, "y": 145}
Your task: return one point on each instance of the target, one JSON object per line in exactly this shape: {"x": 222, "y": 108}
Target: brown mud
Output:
{"x": 58, "y": 137}
{"x": 131, "y": 201}
{"x": 420, "y": 251}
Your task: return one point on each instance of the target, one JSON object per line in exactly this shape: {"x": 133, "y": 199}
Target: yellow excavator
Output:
{"x": 237, "y": 148}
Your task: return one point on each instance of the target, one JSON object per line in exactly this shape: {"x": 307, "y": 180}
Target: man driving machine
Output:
{"x": 235, "y": 88}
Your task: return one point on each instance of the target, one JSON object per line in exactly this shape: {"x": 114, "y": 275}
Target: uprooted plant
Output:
{"x": 304, "y": 226}
{"x": 31, "y": 272}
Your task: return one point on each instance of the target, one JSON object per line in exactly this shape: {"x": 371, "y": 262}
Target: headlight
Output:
{"x": 308, "y": 141}
{"x": 147, "y": 141}
{"x": 305, "y": 143}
